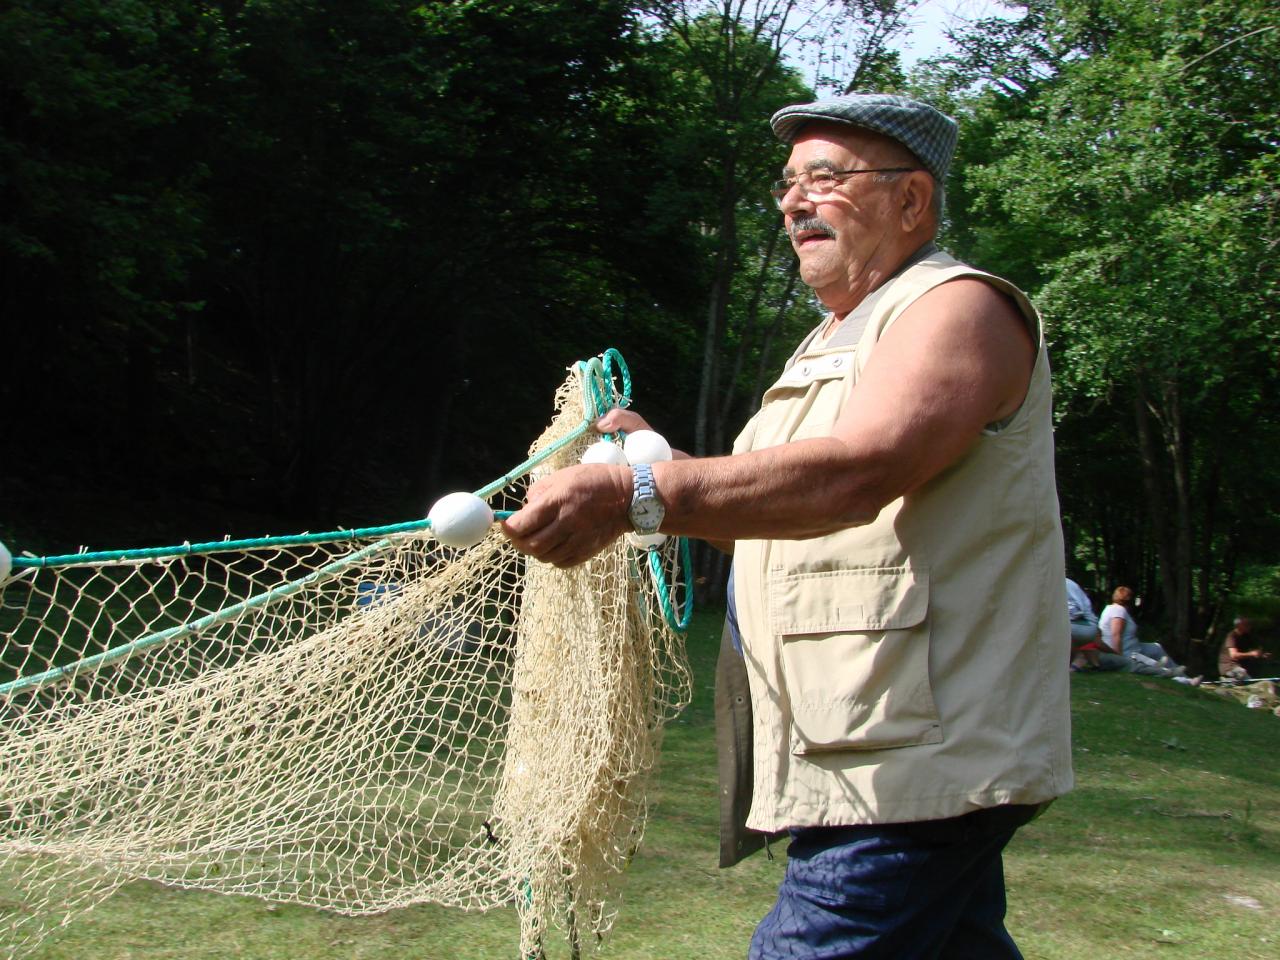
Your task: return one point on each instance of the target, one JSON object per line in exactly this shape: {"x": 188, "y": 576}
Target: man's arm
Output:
{"x": 958, "y": 359}
{"x": 1236, "y": 654}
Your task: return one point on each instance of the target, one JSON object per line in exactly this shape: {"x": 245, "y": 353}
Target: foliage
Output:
{"x": 296, "y": 263}
{"x": 429, "y": 187}
{"x": 1126, "y": 173}
{"x": 85, "y": 81}
{"x": 289, "y": 254}
{"x": 725, "y": 75}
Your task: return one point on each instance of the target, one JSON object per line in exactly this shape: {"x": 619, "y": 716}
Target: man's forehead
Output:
{"x": 817, "y": 163}
{"x": 818, "y": 154}
{"x": 831, "y": 146}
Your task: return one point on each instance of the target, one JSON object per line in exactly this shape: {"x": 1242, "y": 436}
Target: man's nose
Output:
{"x": 795, "y": 201}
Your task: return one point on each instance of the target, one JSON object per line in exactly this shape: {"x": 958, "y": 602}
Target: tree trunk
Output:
{"x": 750, "y": 326}
{"x": 1158, "y": 507}
{"x": 764, "y": 368}
{"x": 1176, "y": 443}
{"x": 717, "y": 307}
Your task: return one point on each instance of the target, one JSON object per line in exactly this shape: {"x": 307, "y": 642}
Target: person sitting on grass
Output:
{"x": 1120, "y": 632}
{"x": 1233, "y": 656}
{"x": 1086, "y": 647}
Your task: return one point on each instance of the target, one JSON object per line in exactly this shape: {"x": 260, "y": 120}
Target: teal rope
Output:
{"x": 594, "y": 393}
{"x": 107, "y": 657}
{"x": 600, "y": 373}
{"x": 526, "y": 891}
{"x": 594, "y": 388}
{"x": 217, "y": 546}
{"x": 485, "y": 492}
{"x": 678, "y": 622}
{"x": 612, "y": 357}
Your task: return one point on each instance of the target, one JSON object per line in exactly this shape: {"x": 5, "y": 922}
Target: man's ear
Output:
{"x": 917, "y": 197}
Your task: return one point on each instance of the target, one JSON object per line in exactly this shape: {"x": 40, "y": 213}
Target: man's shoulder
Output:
{"x": 940, "y": 276}
{"x": 934, "y": 259}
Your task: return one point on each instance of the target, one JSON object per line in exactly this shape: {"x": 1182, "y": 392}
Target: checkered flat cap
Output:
{"x": 926, "y": 132}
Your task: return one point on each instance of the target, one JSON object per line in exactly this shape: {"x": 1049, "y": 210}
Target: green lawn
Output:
{"x": 1168, "y": 842}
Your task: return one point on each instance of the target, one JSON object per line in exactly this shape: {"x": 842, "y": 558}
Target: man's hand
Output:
{"x": 573, "y": 514}
{"x": 576, "y": 512}
{"x": 628, "y": 421}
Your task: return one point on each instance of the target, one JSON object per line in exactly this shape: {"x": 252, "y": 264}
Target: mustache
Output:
{"x": 808, "y": 225}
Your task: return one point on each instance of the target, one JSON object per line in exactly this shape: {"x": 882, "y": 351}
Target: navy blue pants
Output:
{"x": 913, "y": 891}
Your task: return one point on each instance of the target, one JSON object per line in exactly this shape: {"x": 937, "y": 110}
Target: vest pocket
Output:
{"x": 855, "y": 657}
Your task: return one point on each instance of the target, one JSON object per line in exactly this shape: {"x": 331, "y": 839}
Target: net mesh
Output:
{"x": 396, "y": 723}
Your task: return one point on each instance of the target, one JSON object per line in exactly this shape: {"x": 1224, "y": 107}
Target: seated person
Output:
{"x": 1085, "y": 636}
{"x": 1120, "y": 633}
{"x": 1233, "y": 655}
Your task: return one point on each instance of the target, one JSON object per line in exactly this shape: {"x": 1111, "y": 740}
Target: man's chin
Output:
{"x": 817, "y": 272}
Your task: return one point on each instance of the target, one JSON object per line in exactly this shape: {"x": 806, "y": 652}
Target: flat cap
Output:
{"x": 926, "y": 132}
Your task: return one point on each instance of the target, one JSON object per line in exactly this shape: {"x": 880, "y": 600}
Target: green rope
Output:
{"x": 526, "y": 893}
{"x": 108, "y": 657}
{"x": 219, "y": 546}
{"x": 567, "y": 440}
{"x": 594, "y": 389}
{"x": 611, "y": 357}
{"x": 600, "y": 372}
{"x": 604, "y": 394}
{"x": 678, "y": 622}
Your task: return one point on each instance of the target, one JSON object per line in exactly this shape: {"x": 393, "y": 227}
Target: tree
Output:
{"x": 1131, "y": 163}
{"x": 103, "y": 135}
{"x": 316, "y": 260}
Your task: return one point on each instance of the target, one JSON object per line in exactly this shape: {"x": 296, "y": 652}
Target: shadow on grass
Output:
{"x": 1163, "y": 768}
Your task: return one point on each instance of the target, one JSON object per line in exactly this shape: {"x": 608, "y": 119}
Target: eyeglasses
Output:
{"x": 819, "y": 183}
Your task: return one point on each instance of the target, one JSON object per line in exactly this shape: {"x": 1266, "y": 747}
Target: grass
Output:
{"x": 1169, "y": 839}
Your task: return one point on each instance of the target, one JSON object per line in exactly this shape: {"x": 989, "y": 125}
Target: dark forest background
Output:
{"x": 297, "y": 264}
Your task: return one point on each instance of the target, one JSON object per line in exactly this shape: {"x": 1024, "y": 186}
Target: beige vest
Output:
{"x": 913, "y": 668}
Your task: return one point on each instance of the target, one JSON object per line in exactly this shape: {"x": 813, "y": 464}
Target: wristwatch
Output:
{"x": 647, "y": 510}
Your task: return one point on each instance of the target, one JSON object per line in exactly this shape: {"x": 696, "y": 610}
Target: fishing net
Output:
{"x": 356, "y": 721}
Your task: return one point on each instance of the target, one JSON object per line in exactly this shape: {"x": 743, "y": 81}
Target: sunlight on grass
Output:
{"x": 1168, "y": 847}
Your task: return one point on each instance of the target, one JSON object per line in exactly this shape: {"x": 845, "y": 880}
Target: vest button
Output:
{"x": 836, "y": 361}
{"x": 805, "y": 370}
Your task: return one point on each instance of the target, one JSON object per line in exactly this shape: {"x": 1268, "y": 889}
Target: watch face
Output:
{"x": 647, "y": 514}
{"x": 647, "y": 509}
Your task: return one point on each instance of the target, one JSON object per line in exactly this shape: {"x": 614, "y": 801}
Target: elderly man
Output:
{"x": 899, "y": 580}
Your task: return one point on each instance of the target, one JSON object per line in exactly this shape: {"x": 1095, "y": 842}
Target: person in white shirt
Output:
{"x": 1120, "y": 632}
